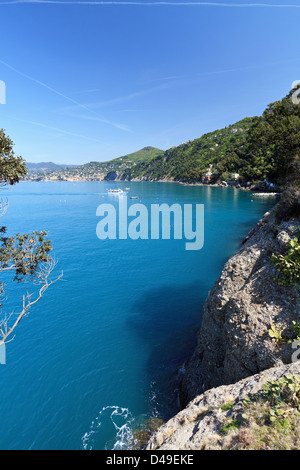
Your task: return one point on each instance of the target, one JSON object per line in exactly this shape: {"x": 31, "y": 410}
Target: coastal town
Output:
{"x": 66, "y": 175}
{"x": 92, "y": 171}
{"x": 97, "y": 171}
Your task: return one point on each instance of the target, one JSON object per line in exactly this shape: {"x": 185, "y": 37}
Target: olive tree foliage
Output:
{"x": 27, "y": 256}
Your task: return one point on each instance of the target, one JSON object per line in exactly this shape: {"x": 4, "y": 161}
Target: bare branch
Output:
{"x": 42, "y": 279}
{"x": 3, "y": 206}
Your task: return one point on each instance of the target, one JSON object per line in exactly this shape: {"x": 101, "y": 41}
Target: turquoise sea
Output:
{"x": 100, "y": 353}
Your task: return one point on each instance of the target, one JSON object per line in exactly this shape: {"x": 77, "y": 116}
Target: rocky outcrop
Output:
{"x": 235, "y": 353}
{"x": 245, "y": 301}
{"x": 199, "y": 425}
{"x": 111, "y": 176}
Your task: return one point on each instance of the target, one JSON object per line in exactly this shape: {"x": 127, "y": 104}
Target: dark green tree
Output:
{"x": 12, "y": 167}
{"x": 273, "y": 144}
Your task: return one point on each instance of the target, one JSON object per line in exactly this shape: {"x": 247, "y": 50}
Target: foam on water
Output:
{"x": 121, "y": 419}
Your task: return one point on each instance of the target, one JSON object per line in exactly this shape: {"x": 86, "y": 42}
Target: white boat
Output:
{"x": 265, "y": 194}
{"x": 119, "y": 191}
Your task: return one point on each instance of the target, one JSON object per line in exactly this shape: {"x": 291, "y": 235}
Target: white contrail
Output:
{"x": 62, "y": 131}
{"x": 53, "y": 90}
{"x": 119, "y": 99}
{"x": 147, "y": 3}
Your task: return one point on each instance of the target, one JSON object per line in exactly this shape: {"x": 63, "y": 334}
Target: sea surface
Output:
{"x": 100, "y": 353}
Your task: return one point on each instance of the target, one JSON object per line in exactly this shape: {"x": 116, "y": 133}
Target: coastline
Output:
{"x": 188, "y": 184}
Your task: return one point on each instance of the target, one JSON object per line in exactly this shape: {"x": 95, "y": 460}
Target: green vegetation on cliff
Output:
{"x": 117, "y": 164}
{"x": 189, "y": 161}
{"x": 273, "y": 145}
{"x": 253, "y": 149}
{"x": 271, "y": 417}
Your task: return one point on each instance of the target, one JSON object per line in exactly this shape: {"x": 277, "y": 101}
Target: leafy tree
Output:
{"x": 27, "y": 256}
{"x": 222, "y": 148}
{"x": 273, "y": 142}
{"x": 12, "y": 168}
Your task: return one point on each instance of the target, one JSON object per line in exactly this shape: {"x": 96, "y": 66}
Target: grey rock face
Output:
{"x": 235, "y": 354}
{"x": 245, "y": 301}
{"x": 197, "y": 427}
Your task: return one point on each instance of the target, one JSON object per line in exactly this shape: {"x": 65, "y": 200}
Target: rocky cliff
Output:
{"x": 234, "y": 341}
{"x": 243, "y": 304}
{"x": 212, "y": 421}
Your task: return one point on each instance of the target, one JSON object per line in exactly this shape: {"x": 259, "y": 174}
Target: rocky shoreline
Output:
{"x": 234, "y": 343}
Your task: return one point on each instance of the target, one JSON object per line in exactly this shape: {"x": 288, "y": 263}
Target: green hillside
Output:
{"x": 126, "y": 161}
{"x": 97, "y": 170}
{"x": 189, "y": 161}
{"x": 145, "y": 154}
{"x": 251, "y": 150}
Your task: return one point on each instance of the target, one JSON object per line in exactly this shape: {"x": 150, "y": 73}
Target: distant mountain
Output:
{"x": 45, "y": 167}
{"x": 93, "y": 168}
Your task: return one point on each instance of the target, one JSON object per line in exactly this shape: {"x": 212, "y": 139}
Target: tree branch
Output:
{"x": 41, "y": 278}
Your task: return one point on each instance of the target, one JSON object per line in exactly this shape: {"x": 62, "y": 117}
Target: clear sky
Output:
{"x": 90, "y": 80}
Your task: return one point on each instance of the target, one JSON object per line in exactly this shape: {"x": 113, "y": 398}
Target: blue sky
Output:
{"x": 94, "y": 81}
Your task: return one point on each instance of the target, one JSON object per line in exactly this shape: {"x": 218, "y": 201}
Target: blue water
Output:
{"x": 99, "y": 354}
